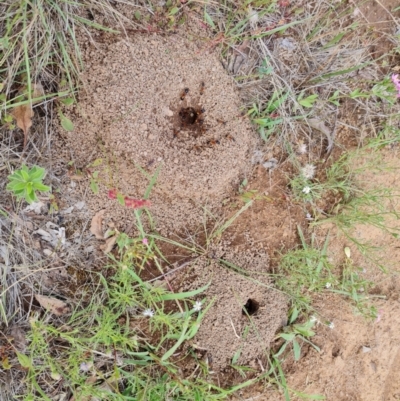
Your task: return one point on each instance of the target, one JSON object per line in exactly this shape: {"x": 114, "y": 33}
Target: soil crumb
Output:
{"x": 157, "y": 106}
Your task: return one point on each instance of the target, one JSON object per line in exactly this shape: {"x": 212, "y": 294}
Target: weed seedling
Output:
{"x": 354, "y": 286}
{"x": 296, "y": 334}
{"x": 25, "y": 182}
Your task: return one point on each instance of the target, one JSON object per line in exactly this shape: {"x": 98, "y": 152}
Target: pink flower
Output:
{"x": 396, "y": 82}
{"x": 145, "y": 241}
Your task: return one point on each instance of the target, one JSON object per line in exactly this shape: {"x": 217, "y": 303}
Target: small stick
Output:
{"x": 172, "y": 271}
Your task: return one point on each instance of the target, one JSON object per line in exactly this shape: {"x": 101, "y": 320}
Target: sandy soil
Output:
{"x": 359, "y": 359}
{"x": 151, "y": 108}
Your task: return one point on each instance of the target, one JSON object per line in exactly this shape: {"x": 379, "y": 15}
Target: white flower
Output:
{"x": 328, "y": 285}
{"x": 313, "y": 319}
{"x": 148, "y": 313}
{"x": 86, "y": 366}
{"x": 253, "y": 17}
{"x": 306, "y": 190}
{"x": 308, "y": 171}
{"x": 197, "y": 306}
{"x": 331, "y": 325}
{"x": 309, "y": 217}
{"x": 302, "y": 149}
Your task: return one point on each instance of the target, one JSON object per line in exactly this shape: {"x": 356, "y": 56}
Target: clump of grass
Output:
{"x": 348, "y": 203}
{"x": 304, "y": 271}
{"x": 38, "y": 41}
{"x": 354, "y": 286}
{"x": 125, "y": 342}
{"x": 337, "y": 180}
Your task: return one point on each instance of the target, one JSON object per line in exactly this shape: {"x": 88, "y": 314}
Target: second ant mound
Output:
{"x": 152, "y": 103}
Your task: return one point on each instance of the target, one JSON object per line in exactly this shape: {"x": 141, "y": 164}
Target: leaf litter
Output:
{"x": 53, "y": 305}
{"x": 24, "y": 113}
{"x": 96, "y": 225}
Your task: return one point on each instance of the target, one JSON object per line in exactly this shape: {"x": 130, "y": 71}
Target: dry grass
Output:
{"x": 329, "y": 51}
{"x": 38, "y": 45}
{"x": 39, "y": 41}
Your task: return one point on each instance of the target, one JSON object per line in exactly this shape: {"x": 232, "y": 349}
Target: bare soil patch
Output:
{"x": 379, "y": 16}
{"x": 359, "y": 359}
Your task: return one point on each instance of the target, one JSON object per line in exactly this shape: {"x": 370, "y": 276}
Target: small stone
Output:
{"x": 80, "y": 205}
{"x": 48, "y": 252}
{"x": 270, "y": 164}
{"x": 168, "y": 112}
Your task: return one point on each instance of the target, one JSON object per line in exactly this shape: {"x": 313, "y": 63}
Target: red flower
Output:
{"x": 112, "y": 194}
{"x": 129, "y": 202}
{"x": 136, "y": 203}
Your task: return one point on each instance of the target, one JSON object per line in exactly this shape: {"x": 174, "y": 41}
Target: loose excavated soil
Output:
{"x": 135, "y": 114}
{"x": 226, "y": 330}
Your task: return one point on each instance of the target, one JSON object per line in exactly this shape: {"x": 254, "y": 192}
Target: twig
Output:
{"x": 172, "y": 271}
{"x": 233, "y": 327}
{"x": 331, "y": 138}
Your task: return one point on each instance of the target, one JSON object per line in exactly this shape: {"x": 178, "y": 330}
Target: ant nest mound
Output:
{"x": 152, "y": 103}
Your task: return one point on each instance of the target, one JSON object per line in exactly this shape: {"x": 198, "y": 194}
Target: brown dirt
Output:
{"x": 226, "y": 329}
{"x": 379, "y": 18}
{"x": 359, "y": 359}
{"x": 271, "y": 223}
{"x": 132, "y": 115}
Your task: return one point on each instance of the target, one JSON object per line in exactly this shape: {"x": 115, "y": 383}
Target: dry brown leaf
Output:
{"x": 23, "y": 114}
{"x": 96, "y": 226}
{"x": 109, "y": 245}
{"x": 53, "y": 305}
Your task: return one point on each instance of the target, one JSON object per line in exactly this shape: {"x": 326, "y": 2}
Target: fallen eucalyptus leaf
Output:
{"x": 53, "y": 305}
{"x": 109, "y": 245}
{"x": 23, "y": 114}
{"x": 96, "y": 225}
